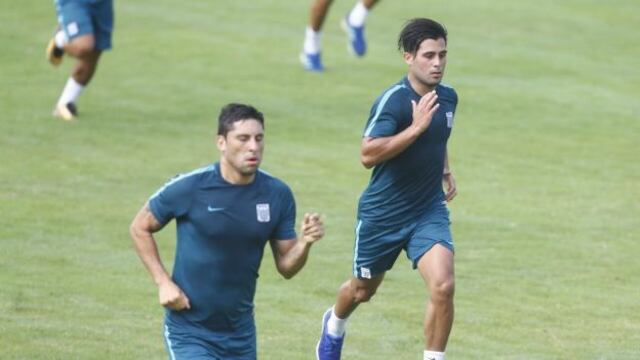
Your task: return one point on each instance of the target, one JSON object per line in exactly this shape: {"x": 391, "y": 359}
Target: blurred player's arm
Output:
{"x": 291, "y": 255}
{"x": 141, "y": 230}
{"x": 374, "y": 151}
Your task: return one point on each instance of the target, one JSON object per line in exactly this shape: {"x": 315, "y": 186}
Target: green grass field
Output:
{"x": 545, "y": 152}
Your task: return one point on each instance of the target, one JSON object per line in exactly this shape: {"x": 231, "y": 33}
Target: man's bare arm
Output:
{"x": 291, "y": 255}
{"x": 141, "y": 230}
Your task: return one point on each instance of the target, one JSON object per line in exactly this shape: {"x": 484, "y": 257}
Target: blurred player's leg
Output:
{"x": 311, "y": 56}
{"x": 353, "y": 25}
{"x": 55, "y": 47}
{"x": 84, "y": 32}
{"x": 82, "y": 73}
{"x": 82, "y": 48}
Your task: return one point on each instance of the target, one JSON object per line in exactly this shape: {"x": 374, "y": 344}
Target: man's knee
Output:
{"x": 364, "y": 294}
{"x": 83, "y": 50}
{"x": 83, "y": 46}
{"x": 443, "y": 289}
{"x": 358, "y": 293}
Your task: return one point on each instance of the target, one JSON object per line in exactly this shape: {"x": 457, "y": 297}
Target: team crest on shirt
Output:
{"x": 449, "y": 115}
{"x": 262, "y": 211}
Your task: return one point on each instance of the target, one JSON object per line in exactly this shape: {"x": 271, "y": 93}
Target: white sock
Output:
{"x": 433, "y": 355}
{"x": 335, "y": 325}
{"x": 71, "y": 92}
{"x": 60, "y": 39}
{"x": 312, "y": 41}
{"x": 357, "y": 15}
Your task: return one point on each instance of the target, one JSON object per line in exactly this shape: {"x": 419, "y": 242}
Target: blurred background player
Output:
{"x": 84, "y": 31}
{"x": 352, "y": 24}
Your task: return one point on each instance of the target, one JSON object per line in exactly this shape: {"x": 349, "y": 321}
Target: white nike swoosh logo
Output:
{"x": 213, "y": 209}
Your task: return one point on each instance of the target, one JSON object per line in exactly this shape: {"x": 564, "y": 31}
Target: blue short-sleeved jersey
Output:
{"x": 222, "y": 230}
{"x": 404, "y": 186}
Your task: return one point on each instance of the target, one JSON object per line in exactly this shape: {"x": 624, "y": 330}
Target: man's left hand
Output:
{"x": 450, "y": 186}
{"x": 312, "y": 228}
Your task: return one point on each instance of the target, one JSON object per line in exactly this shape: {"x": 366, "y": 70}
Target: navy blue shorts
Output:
{"x": 81, "y": 17}
{"x": 377, "y": 246}
{"x": 191, "y": 342}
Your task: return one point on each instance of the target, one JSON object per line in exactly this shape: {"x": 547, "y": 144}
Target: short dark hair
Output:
{"x": 416, "y": 31}
{"x": 237, "y": 112}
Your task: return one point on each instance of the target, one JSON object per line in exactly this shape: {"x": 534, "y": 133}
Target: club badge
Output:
{"x": 262, "y": 211}
{"x": 449, "y": 115}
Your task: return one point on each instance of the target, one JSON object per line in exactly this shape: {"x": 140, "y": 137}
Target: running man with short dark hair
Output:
{"x": 404, "y": 205}
{"x": 225, "y": 214}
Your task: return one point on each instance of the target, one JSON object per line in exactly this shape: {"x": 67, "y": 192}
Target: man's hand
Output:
{"x": 423, "y": 111}
{"x": 312, "y": 228}
{"x": 172, "y": 297}
{"x": 450, "y": 186}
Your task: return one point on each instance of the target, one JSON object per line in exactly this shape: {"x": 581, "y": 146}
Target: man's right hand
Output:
{"x": 423, "y": 111}
{"x": 172, "y": 297}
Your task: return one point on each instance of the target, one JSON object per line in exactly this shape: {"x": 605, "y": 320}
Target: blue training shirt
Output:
{"x": 222, "y": 230}
{"x": 404, "y": 186}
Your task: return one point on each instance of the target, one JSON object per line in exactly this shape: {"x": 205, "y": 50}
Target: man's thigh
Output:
{"x": 376, "y": 248}
{"x": 433, "y": 228}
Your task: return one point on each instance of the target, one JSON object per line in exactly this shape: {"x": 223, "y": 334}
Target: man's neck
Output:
{"x": 418, "y": 86}
{"x": 233, "y": 176}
